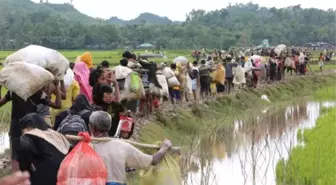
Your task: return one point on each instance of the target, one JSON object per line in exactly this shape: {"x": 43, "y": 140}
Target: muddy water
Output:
{"x": 248, "y": 152}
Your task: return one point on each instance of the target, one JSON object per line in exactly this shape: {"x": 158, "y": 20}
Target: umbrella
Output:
{"x": 146, "y": 45}
{"x": 152, "y": 55}
{"x": 280, "y": 48}
{"x": 181, "y": 59}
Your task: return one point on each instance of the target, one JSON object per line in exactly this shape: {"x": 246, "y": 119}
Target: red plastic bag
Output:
{"x": 82, "y": 166}
{"x": 126, "y": 124}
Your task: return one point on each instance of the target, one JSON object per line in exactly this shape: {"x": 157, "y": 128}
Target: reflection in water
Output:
{"x": 247, "y": 153}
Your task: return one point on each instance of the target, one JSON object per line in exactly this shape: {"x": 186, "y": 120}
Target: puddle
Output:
{"x": 248, "y": 152}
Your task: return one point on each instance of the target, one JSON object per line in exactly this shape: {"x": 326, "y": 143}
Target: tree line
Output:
{"x": 239, "y": 25}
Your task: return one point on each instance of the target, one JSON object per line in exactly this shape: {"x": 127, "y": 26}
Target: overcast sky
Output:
{"x": 174, "y": 9}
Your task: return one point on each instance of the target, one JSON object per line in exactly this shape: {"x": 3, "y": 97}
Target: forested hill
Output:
{"x": 144, "y": 18}
{"x": 23, "y": 22}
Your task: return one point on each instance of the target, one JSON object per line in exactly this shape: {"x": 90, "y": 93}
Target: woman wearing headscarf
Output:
{"x": 87, "y": 59}
{"x": 82, "y": 73}
{"x": 99, "y": 76}
{"x": 103, "y": 100}
{"x": 42, "y": 150}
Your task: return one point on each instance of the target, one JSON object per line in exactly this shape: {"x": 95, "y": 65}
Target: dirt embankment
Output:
{"x": 149, "y": 129}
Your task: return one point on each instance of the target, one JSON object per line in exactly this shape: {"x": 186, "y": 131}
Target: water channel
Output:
{"x": 250, "y": 150}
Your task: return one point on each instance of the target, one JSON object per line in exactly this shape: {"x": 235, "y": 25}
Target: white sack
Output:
{"x": 256, "y": 57}
{"x": 181, "y": 59}
{"x": 162, "y": 92}
{"x": 44, "y": 57}
{"x": 280, "y": 48}
{"x": 239, "y": 77}
{"x": 301, "y": 58}
{"x": 168, "y": 73}
{"x": 173, "y": 82}
{"x": 289, "y": 62}
{"x": 121, "y": 72}
{"x": 68, "y": 78}
{"x": 24, "y": 79}
{"x": 188, "y": 87}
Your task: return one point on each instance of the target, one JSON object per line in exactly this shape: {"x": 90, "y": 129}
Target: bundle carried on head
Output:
{"x": 46, "y": 58}
{"x": 24, "y": 79}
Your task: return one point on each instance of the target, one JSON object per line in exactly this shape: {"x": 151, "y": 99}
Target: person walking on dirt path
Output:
{"x": 41, "y": 151}
{"x": 117, "y": 154}
{"x": 273, "y": 67}
{"x": 99, "y": 76}
{"x": 82, "y": 74}
{"x": 20, "y": 108}
{"x": 175, "y": 92}
{"x": 132, "y": 64}
{"x": 229, "y": 72}
{"x": 204, "y": 72}
{"x": 194, "y": 75}
{"x": 103, "y": 100}
{"x": 321, "y": 62}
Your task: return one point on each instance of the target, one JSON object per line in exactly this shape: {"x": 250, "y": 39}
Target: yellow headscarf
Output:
{"x": 87, "y": 59}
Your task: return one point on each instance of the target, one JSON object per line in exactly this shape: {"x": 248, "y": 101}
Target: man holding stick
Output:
{"x": 117, "y": 154}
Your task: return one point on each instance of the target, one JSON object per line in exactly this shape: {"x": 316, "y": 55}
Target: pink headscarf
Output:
{"x": 257, "y": 63}
{"x": 82, "y": 74}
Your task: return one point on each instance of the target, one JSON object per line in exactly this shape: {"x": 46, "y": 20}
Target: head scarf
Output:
{"x": 82, "y": 74}
{"x": 87, "y": 59}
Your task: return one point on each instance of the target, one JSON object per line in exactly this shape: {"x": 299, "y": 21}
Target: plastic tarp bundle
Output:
{"x": 82, "y": 166}
{"x": 24, "y": 79}
{"x": 162, "y": 92}
{"x": 121, "y": 72}
{"x": 68, "y": 78}
{"x": 167, "y": 172}
{"x": 44, "y": 57}
{"x": 133, "y": 88}
{"x": 239, "y": 77}
{"x": 279, "y": 49}
{"x": 181, "y": 59}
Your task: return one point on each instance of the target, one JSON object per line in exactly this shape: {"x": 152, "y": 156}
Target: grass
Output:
{"x": 313, "y": 163}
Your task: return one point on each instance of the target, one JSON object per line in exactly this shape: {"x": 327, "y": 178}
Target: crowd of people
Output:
{"x": 96, "y": 100}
